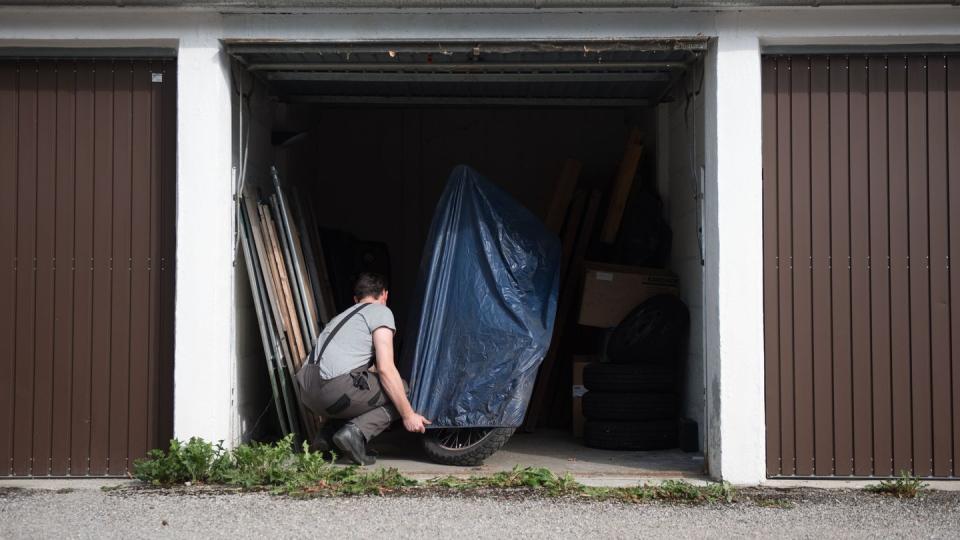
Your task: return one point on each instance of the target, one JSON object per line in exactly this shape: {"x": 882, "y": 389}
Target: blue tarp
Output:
{"x": 485, "y": 304}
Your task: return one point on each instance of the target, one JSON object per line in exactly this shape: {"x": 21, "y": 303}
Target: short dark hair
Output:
{"x": 369, "y": 284}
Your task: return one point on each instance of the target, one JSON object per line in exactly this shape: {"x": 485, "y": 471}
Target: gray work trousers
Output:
{"x": 356, "y": 397}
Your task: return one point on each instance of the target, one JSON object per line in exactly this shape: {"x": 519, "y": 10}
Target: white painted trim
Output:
{"x": 205, "y": 365}
{"x": 734, "y": 260}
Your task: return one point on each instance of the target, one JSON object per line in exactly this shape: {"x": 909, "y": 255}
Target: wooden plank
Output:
{"x": 295, "y": 296}
{"x": 281, "y": 346}
{"x": 899, "y": 266}
{"x": 26, "y": 290}
{"x": 64, "y": 268}
{"x": 860, "y": 270}
{"x": 880, "y": 268}
{"x": 44, "y": 268}
{"x": 822, "y": 293}
{"x": 562, "y": 195}
{"x": 9, "y": 108}
{"x": 785, "y": 275}
{"x": 953, "y": 186}
{"x": 120, "y": 270}
{"x": 257, "y": 289}
{"x": 622, "y": 183}
{"x": 919, "y": 237}
{"x": 283, "y": 285}
{"x": 286, "y": 352}
{"x": 564, "y": 306}
{"x": 802, "y": 276}
{"x": 295, "y": 264}
{"x": 771, "y": 329}
{"x": 840, "y": 266}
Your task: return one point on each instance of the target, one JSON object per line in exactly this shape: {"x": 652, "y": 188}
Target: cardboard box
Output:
{"x": 611, "y": 291}
{"x": 578, "y": 391}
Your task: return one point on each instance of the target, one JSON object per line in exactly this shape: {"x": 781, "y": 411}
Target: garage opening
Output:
{"x": 364, "y": 137}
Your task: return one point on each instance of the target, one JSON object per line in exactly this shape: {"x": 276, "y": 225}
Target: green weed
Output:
{"x": 283, "y": 470}
{"x": 537, "y": 478}
{"x": 772, "y": 502}
{"x": 679, "y": 491}
{"x": 905, "y": 486}
{"x": 270, "y": 465}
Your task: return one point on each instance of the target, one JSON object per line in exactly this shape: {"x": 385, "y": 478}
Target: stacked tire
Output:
{"x": 631, "y": 401}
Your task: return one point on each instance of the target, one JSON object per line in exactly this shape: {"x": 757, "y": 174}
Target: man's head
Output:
{"x": 370, "y": 287}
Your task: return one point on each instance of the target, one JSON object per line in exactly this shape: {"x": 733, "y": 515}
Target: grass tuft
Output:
{"x": 905, "y": 486}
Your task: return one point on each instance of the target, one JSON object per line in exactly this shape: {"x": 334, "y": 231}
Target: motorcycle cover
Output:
{"x": 484, "y": 307}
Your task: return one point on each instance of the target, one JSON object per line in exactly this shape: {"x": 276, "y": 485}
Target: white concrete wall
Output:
{"x": 680, "y": 161}
{"x": 734, "y": 353}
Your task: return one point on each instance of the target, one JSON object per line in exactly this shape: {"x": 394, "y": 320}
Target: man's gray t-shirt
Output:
{"x": 352, "y": 346}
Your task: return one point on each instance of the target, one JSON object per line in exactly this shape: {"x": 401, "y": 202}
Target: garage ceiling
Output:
{"x": 622, "y": 73}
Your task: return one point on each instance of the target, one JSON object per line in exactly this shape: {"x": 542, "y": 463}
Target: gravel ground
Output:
{"x": 89, "y": 513}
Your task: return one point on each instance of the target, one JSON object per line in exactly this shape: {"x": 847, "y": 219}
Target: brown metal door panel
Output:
{"x": 802, "y": 278}
{"x": 120, "y": 263}
{"x": 153, "y": 262}
{"x": 167, "y": 261}
{"x": 44, "y": 264}
{"x": 953, "y": 186}
{"x": 26, "y": 194}
{"x": 860, "y": 180}
{"x": 102, "y": 253}
{"x": 8, "y": 242}
{"x": 140, "y": 254}
{"x": 785, "y": 272}
{"x": 770, "y": 279}
{"x": 919, "y": 263}
{"x": 860, "y": 270}
{"x": 63, "y": 267}
{"x": 939, "y": 276}
{"x": 83, "y": 274}
{"x": 879, "y": 266}
{"x": 86, "y": 217}
{"x": 899, "y": 266}
{"x": 820, "y": 234}
{"x": 840, "y": 266}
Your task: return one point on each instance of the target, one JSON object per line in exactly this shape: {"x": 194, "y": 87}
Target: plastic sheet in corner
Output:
{"x": 486, "y": 300}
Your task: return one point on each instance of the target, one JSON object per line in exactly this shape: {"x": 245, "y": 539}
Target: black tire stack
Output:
{"x": 631, "y": 401}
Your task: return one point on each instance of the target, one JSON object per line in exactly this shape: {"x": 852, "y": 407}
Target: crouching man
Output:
{"x": 339, "y": 380}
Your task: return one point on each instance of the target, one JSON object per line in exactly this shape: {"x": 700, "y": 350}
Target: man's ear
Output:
{"x": 355, "y": 300}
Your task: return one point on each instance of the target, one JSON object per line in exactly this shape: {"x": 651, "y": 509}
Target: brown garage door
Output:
{"x": 87, "y": 154}
{"x": 861, "y": 199}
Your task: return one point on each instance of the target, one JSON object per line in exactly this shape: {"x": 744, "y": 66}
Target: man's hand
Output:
{"x": 415, "y": 423}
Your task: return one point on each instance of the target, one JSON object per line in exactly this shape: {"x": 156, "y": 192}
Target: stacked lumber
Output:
{"x": 292, "y": 297}
{"x": 573, "y": 215}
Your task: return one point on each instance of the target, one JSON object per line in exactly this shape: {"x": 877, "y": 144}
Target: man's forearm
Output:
{"x": 393, "y": 385}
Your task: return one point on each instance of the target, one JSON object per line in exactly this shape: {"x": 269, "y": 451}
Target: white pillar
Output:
{"x": 734, "y": 257}
{"x": 203, "y": 360}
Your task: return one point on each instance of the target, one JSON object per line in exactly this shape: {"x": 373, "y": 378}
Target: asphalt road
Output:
{"x": 92, "y": 513}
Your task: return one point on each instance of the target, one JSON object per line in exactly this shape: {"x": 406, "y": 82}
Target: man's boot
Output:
{"x": 323, "y": 439}
{"x": 351, "y": 441}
